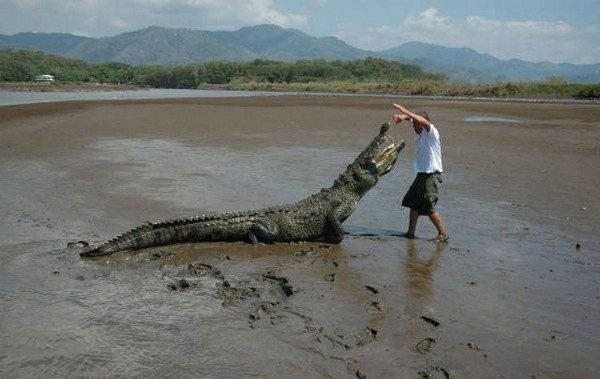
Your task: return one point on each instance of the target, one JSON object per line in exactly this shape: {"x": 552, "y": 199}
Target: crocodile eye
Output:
{"x": 371, "y": 167}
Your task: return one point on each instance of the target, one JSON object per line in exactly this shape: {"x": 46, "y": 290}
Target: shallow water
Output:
{"x": 28, "y": 97}
{"x": 512, "y": 294}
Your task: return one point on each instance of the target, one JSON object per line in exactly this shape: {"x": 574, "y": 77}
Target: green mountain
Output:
{"x": 55, "y": 43}
{"x": 166, "y": 46}
{"x": 467, "y": 65}
{"x": 163, "y": 46}
{"x": 273, "y": 42}
{"x": 160, "y": 46}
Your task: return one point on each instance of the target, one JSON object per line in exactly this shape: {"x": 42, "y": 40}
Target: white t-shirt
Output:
{"x": 428, "y": 151}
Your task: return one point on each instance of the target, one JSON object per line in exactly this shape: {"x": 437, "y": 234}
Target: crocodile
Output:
{"x": 316, "y": 218}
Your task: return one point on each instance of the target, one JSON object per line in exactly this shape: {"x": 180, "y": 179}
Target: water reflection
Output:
{"x": 419, "y": 275}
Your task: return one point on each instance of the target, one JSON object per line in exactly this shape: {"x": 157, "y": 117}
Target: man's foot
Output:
{"x": 410, "y": 236}
{"x": 442, "y": 238}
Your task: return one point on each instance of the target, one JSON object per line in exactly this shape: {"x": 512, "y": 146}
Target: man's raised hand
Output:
{"x": 400, "y": 107}
{"x": 400, "y": 117}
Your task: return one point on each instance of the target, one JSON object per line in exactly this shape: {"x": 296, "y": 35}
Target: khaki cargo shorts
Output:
{"x": 423, "y": 193}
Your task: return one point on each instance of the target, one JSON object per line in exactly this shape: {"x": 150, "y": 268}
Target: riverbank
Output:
{"x": 433, "y": 90}
{"x": 66, "y": 87}
{"x": 503, "y": 91}
{"x": 512, "y": 295}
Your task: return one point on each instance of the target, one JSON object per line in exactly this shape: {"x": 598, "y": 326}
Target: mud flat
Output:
{"x": 513, "y": 295}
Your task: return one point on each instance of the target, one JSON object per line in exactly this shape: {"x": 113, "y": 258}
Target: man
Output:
{"x": 422, "y": 195}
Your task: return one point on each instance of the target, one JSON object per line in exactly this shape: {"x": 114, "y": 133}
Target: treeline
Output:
{"x": 24, "y": 65}
{"x": 370, "y": 75}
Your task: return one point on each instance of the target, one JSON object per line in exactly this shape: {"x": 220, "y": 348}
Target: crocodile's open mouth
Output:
{"x": 386, "y": 159}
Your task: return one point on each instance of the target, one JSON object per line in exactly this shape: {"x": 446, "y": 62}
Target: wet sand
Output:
{"x": 513, "y": 295}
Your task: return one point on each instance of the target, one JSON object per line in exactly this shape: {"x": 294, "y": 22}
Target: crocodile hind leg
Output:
{"x": 263, "y": 230}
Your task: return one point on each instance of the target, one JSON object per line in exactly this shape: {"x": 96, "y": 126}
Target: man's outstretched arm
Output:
{"x": 422, "y": 121}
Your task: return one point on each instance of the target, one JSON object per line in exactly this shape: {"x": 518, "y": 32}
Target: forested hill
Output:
{"x": 24, "y": 65}
{"x": 167, "y": 46}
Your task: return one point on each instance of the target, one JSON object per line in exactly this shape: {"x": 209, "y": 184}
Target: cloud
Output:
{"x": 535, "y": 41}
{"x": 119, "y": 23}
{"x": 106, "y": 17}
{"x": 430, "y": 19}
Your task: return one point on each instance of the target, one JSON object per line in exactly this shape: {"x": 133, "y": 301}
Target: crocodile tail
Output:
{"x": 197, "y": 229}
{"x": 147, "y": 235}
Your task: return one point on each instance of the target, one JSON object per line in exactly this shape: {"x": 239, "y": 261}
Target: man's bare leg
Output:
{"x": 413, "y": 217}
{"x": 436, "y": 218}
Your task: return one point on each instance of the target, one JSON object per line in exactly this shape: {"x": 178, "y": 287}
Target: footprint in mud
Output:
{"x": 321, "y": 335}
{"x": 273, "y": 299}
{"x": 339, "y": 339}
{"x": 365, "y": 336}
{"x": 372, "y": 289}
{"x": 472, "y": 346}
{"x": 263, "y": 295}
{"x": 431, "y": 321}
{"x": 305, "y": 254}
{"x": 434, "y": 372}
{"x": 354, "y": 369}
{"x": 190, "y": 276}
{"x": 425, "y": 345}
{"x": 180, "y": 284}
{"x": 375, "y": 307}
{"x": 232, "y": 295}
{"x": 282, "y": 282}
{"x": 203, "y": 269}
{"x": 160, "y": 255}
{"x": 272, "y": 312}
{"x": 331, "y": 263}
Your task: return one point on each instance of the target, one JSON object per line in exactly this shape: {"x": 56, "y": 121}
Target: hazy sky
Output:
{"x": 532, "y": 30}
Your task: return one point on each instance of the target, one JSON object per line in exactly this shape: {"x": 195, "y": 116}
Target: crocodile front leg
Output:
{"x": 263, "y": 230}
{"x": 334, "y": 231}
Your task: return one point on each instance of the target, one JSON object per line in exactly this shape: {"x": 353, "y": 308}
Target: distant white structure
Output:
{"x": 44, "y": 78}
